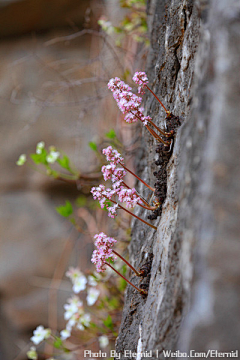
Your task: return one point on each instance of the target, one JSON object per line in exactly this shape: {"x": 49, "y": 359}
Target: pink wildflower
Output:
{"x": 111, "y": 172}
{"x": 117, "y": 84}
{"x": 112, "y": 211}
{"x": 108, "y": 171}
{"x": 100, "y": 192}
{"x": 113, "y": 155}
{"x": 141, "y": 79}
{"x": 104, "y": 251}
{"x": 102, "y": 239}
{"x": 103, "y": 195}
{"x": 130, "y": 197}
{"x": 127, "y": 102}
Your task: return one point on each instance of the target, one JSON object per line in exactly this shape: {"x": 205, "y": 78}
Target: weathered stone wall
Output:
{"x": 193, "y": 299}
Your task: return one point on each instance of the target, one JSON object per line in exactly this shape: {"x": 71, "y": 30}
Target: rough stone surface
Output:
{"x": 193, "y": 299}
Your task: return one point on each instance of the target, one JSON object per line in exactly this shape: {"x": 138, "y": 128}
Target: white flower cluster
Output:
{"x": 51, "y": 157}
{"x": 40, "y": 334}
{"x": 76, "y": 317}
{"x": 74, "y": 311}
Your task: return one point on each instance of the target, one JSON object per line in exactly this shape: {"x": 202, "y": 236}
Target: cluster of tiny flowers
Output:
{"x": 104, "y": 251}
{"x": 111, "y": 172}
{"x": 40, "y": 334}
{"x": 113, "y": 155}
{"x": 141, "y": 79}
{"x": 127, "y": 102}
{"x": 103, "y": 194}
{"x": 117, "y": 84}
{"x": 79, "y": 280}
{"x": 112, "y": 211}
{"x": 130, "y": 197}
{"x": 116, "y": 175}
{"x": 75, "y": 316}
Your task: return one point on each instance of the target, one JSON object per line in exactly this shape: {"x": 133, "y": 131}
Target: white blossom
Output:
{"x": 22, "y": 159}
{"x": 74, "y": 306}
{"x": 65, "y": 334}
{"x": 92, "y": 281}
{"x": 40, "y": 334}
{"x": 85, "y": 319}
{"x": 103, "y": 341}
{"x": 40, "y": 147}
{"x": 78, "y": 279}
{"x": 32, "y": 354}
{"x": 92, "y": 296}
{"x": 52, "y": 157}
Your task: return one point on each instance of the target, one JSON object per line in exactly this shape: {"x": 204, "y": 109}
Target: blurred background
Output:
{"x": 56, "y": 61}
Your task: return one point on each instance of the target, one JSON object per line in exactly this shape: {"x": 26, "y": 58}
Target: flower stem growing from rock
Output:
{"x": 129, "y": 282}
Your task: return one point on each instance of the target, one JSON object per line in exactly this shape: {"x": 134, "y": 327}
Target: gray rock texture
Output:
{"x": 193, "y": 297}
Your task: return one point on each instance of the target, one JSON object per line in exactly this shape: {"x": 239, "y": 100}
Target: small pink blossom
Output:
{"x": 130, "y": 197}
{"x": 99, "y": 259}
{"x": 102, "y": 239}
{"x": 116, "y": 83}
{"x": 112, "y": 211}
{"x": 128, "y": 103}
{"x": 104, "y": 251}
{"x": 113, "y": 155}
{"x": 102, "y": 194}
{"x": 141, "y": 79}
{"x": 108, "y": 171}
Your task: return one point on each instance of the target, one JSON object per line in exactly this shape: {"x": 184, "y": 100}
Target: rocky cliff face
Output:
{"x": 193, "y": 298}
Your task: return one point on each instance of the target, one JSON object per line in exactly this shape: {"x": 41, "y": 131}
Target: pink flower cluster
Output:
{"x": 113, "y": 155}
{"x": 127, "y": 102}
{"x": 141, "y": 79}
{"x": 130, "y": 197}
{"x": 104, "y": 252}
{"x": 111, "y": 172}
{"x": 103, "y": 194}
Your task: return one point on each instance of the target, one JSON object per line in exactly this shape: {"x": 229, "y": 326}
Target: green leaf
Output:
{"x": 57, "y": 343}
{"x": 65, "y": 210}
{"x": 108, "y": 322}
{"x": 111, "y": 134}
{"x": 40, "y": 158}
{"x": 64, "y": 162}
{"x": 81, "y": 201}
{"x": 93, "y": 146}
{"x": 107, "y": 204}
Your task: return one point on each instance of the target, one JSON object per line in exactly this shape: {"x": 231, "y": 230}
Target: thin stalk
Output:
{"x": 166, "y": 143}
{"x": 139, "y": 290}
{"x": 129, "y": 212}
{"x": 160, "y": 130}
{"x": 131, "y": 267}
{"x": 152, "y": 131}
{"x": 167, "y": 111}
{"x": 147, "y": 206}
{"x": 151, "y": 188}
